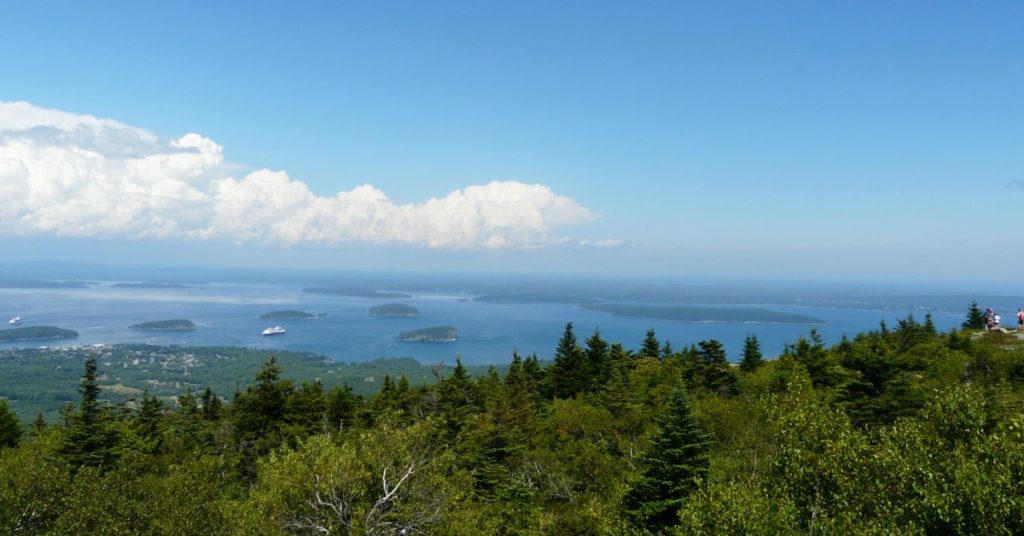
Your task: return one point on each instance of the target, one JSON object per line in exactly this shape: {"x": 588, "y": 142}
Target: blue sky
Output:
{"x": 748, "y": 139}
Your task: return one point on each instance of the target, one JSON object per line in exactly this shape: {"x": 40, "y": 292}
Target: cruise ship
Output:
{"x": 276, "y": 330}
{"x": 14, "y": 321}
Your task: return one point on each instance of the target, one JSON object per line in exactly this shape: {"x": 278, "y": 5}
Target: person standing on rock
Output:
{"x": 1020, "y": 319}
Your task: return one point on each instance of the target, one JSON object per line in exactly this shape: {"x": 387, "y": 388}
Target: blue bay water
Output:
{"x": 228, "y": 315}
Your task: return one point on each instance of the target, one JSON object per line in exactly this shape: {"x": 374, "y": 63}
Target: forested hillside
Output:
{"x": 900, "y": 430}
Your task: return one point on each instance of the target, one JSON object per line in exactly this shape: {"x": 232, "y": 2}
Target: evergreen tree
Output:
{"x": 341, "y": 407}
{"x": 405, "y": 397}
{"x": 91, "y": 441}
{"x": 666, "y": 350}
{"x": 259, "y": 410}
{"x": 909, "y": 332}
{"x": 677, "y": 458}
{"x": 10, "y": 430}
{"x": 515, "y": 378}
{"x": 147, "y": 422}
{"x": 822, "y": 367}
{"x": 305, "y": 409}
{"x": 975, "y": 318}
{"x": 385, "y": 400}
{"x": 67, "y": 414}
{"x": 212, "y": 405}
{"x": 186, "y": 423}
{"x": 712, "y": 352}
{"x": 752, "y": 357}
{"x": 650, "y": 347}
{"x": 534, "y": 374}
{"x": 618, "y": 393}
{"x": 928, "y": 328}
{"x": 566, "y": 376}
{"x": 38, "y": 425}
{"x": 598, "y": 362}
{"x": 712, "y": 370}
{"x": 619, "y": 356}
{"x": 457, "y": 398}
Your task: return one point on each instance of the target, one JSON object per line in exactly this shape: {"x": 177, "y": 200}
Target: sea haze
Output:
{"x": 527, "y": 317}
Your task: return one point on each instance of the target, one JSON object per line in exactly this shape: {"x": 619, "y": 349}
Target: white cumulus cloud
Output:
{"x": 77, "y": 175}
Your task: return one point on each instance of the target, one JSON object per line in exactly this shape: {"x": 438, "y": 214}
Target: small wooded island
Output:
{"x": 431, "y": 334}
{"x": 36, "y": 333}
{"x": 177, "y": 324}
{"x": 290, "y": 315}
{"x": 394, "y": 310}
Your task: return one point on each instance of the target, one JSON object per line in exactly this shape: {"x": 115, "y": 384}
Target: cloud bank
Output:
{"x": 76, "y": 175}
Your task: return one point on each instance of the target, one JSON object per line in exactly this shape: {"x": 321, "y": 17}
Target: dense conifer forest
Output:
{"x": 898, "y": 430}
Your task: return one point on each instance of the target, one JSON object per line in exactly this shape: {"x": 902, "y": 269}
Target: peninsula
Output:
{"x": 36, "y": 333}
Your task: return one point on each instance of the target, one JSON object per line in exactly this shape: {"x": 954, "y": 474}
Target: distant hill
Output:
{"x": 431, "y": 334}
{"x": 704, "y": 314}
{"x": 290, "y": 315}
{"x": 169, "y": 286}
{"x": 395, "y": 310}
{"x": 42, "y": 284}
{"x": 355, "y": 292}
{"x": 177, "y": 324}
{"x": 36, "y": 333}
{"x": 534, "y": 298}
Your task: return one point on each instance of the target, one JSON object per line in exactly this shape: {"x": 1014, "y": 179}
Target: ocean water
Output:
{"x": 228, "y": 315}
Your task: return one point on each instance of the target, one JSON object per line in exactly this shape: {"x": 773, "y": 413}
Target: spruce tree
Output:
{"x": 259, "y": 411}
{"x": 91, "y": 441}
{"x": 515, "y": 379}
{"x": 677, "y": 458}
{"x": 385, "y": 400}
{"x": 147, "y": 422}
{"x": 211, "y": 405}
{"x": 405, "y": 396}
{"x": 651, "y": 347}
{"x": 712, "y": 352}
{"x": 457, "y": 398}
{"x": 928, "y": 328}
{"x": 534, "y": 375}
{"x": 10, "y": 430}
{"x": 38, "y": 425}
{"x": 598, "y": 362}
{"x": 566, "y": 376}
{"x": 975, "y": 318}
{"x": 619, "y": 356}
{"x": 752, "y": 357}
{"x": 667, "y": 351}
{"x": 342, "y": 404}
{"x": 304, "y": 409}
{"x": 186, "y": 426}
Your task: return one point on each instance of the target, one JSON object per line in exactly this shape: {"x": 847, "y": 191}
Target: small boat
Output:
{"x": 276, "y": 330}
{"x": 14, "y": 321}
